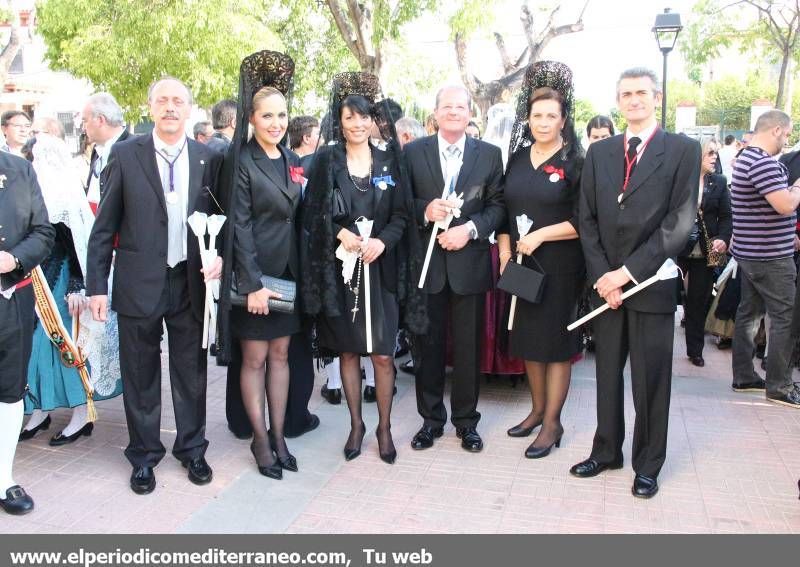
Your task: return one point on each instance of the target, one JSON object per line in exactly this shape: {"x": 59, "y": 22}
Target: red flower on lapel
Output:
{"x": 296, "y": 173}
{"x": 552, "y": 169}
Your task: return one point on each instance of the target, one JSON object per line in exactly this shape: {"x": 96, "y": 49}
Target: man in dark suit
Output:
{"x": 26, "y": 237}
{"x": 104, "y": 124}
{"x": 460, "y": 268}
{"x": 152, "y": 183}
{"x": 639, "y": 195}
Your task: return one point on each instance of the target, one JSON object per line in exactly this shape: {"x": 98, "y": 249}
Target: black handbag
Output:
{"x": 284, "y": 304}
{"x": 523, "y": 282}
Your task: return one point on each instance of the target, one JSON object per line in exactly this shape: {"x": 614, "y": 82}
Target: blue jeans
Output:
{"x": 767, "y": 286}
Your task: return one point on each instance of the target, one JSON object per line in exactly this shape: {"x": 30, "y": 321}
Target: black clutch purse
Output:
{"x": 287, "y": 289}
{"x": 523, "y": 282}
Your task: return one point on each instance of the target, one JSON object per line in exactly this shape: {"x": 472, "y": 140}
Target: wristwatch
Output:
{"x": 473, "y": 233}
{"x": 17, "y": 263}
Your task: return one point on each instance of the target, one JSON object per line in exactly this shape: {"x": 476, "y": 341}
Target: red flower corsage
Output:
{"x": 296, "y": 173}
{"x": 556, "y": 173}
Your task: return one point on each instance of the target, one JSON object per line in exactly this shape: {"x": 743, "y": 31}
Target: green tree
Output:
{"x": 583, "y": 112}
{"x": 727, "y": 101}
{"x": 121, "y": 46}
{"x": 764, "y": 28}
{"x": 680, "y": 91}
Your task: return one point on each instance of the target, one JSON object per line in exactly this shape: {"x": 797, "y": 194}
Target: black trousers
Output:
{"x": 17, "y": 318}
{"x": 647, "y": 338}
{"x": 466, "y": 322}
{"x": 301, "y": 386}
{"x": 140, "y": 363}
{"x": 698, "y": 299}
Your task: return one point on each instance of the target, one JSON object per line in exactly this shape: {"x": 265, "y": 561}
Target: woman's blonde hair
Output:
{"x": 264, "y": 93}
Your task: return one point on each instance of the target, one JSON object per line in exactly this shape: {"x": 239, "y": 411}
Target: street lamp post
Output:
{"x": 666, "y": 29}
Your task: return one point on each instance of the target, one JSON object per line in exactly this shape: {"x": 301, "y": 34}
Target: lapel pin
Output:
{"x": 3, "y": 181}
{"x": 202, "y": 162}
{"x": 385, "y": 168}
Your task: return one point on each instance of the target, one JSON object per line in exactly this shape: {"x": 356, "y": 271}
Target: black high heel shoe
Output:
{"x": 388, "y": 457}
{"x": 533, "y": 452}
{"x": 520, "y": 430}
{"x": 272, "y": 471}
{"x": 352, "y": 453}
{"x": 288, "y": 462}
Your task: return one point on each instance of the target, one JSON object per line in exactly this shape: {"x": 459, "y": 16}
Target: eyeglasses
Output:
{"x": 18, "y": 125}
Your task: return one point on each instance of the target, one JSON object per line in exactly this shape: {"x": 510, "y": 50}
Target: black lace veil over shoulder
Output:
{"x": 258, "y": 70}
{"x": 319, "y": 272}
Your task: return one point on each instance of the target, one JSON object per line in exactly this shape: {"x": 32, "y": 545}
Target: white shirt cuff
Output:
{"x": 471, "y": 225}
{"x": 630, "y": 275}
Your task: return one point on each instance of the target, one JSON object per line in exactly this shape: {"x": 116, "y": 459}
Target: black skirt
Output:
{"x": 540, "y": 329}
{"x": 274, "y": 325}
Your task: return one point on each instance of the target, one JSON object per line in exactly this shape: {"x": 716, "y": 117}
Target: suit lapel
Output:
{"x": 432, "y": 157}
{"x": 261, "y": 159}
{"x": 380, "y": 168}
{"x": 146, "y": 154}
{"x": 292, "y": 190}
{"x": 615, "y": 163}
{"x": 471, "y": 152}
{"x": 649, "y": 162}
{"x": 196, "y": 170}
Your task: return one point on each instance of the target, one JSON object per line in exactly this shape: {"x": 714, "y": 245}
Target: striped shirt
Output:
{"x": 759, "y": 231}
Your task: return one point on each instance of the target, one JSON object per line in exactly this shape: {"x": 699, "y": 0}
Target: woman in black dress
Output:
{"x": 715, "y": 211}
{"x": 264, "y": 196}
{"x": 542, "y": 182}
{"x": 349, "y": 181}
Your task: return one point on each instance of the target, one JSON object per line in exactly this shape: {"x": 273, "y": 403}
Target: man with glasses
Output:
{"x": 16, "y": 127}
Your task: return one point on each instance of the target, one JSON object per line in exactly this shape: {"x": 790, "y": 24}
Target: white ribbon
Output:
{"x": 524, "y": 225}
{"x": 457, "y": 201}
{"x": 200, "y": 223}
{"x": 364, "y": 227}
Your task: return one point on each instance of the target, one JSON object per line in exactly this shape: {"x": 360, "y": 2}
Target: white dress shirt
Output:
{"x": 176, "y": 212}
{"x": 454, "y": 165}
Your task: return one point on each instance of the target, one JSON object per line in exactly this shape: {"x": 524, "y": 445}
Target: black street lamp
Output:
{"x": 666, "y": 29}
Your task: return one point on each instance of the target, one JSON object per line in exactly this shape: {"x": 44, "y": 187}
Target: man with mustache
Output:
{"x": 151, "y": 185}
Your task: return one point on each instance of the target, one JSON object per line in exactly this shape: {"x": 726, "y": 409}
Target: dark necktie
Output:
{"x": 633, "y": 143}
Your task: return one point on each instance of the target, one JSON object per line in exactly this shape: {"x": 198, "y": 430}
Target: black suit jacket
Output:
{"x": 716, "y": 205}
{"x": 122, "y": 137}
{"x": 652, "y": 221}
{"x": 391, "y": 217}
{"x": 133, "y": 205}
{"x": 468, "y": 271}
{"x": 792, "y": 163}
{"x": 265, "y": 210}
{"x": 25, "y": 229}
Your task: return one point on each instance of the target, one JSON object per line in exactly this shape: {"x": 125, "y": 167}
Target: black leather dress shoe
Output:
{"x": 644, "y": 486}
{"x": 697, "y": 361}
{"x": 17, "y": 502}
{"x": 240, "y": 434}
{"x": 26, "y": 434}
{"x": 334, "y": 395}
{"x": 590, "y": 467}
{"x": 407, "y": 366}
{"x": 59, "y": 439}
{"x": 470, "y": 440}
{"x": 311, "y": 425}
{"x": 369, "y": 394}
{"x": 143, "y": 480}
{"x": 199, "y": 471}
{"x": 425, "y": 436}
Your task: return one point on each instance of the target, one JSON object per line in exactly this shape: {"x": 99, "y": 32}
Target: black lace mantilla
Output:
{"x": 266, "y": 69}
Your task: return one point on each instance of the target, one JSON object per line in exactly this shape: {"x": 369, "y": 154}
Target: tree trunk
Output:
{"x": 782, "y": 78}
{"x": 9, "y": 51}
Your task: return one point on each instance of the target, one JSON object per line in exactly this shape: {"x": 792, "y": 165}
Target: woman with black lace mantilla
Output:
{"x": 351, "y": 182}
{"x": 263, "y": 195}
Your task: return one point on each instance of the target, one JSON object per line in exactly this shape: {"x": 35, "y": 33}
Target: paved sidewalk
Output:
{"x": 733, "y": 464}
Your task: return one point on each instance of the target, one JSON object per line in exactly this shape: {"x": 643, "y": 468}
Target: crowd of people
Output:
{"x": 368, "y": 233}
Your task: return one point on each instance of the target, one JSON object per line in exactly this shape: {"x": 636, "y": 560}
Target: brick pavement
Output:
{"x": 732, "y": 467}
